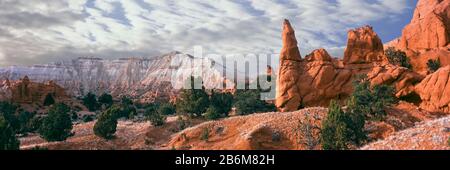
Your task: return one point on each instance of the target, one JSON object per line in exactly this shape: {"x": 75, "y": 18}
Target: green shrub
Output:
{"x": 57, "y": 126}
{"x": 372, "y": 102}
{"x": 106, "y": 124}
{"x": 8, "y": 139}
{"x": 434, "y": 65}
{"x": 49, "y": 100}
{"x": 192, "y": 101}
{"x": 166, "y": 109}
{"x": 24, "y": 119}
{"x": 90, "y": 101}
{"x": 341, "y": 130}
{"x": 221, "y": 102}
{"x": 205, "y": 134}
{"x": 156, "y": 118}
{"x": 249, "y": 101}
{"x": 212, "y": 113}
{"x": 106, "y": 99}
{"x": 397, "y": 57}
{"x": 8, "y": 111}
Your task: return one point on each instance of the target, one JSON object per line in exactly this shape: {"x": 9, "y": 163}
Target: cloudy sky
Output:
{"x": 41, "y": 31}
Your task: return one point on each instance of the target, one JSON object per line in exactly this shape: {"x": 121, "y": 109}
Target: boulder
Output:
{"x": 434, "y": 91}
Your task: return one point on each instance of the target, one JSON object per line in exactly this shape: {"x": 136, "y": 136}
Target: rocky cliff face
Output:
{"x": 142, "y": 78}
{"x": 427, "y": 36}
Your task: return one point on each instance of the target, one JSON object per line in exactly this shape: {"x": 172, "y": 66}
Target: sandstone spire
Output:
{"x": 288, "y": 94}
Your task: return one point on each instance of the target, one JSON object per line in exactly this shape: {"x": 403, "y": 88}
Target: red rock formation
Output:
{"x": 401, "y": 78}
{"x": 427, "y": 36}
{"x": 434, "y": 91}
{"x": 363, "y": 46}
{"x": 319, "y": 55}
{"x": 430, "y": 26}
{"x": 288, "y": 94}
{"x": 318, "y": 79}
{"x": 25, "y": 91}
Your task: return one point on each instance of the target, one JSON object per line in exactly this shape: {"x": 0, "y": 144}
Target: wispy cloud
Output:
{"x": 40, "y": 31}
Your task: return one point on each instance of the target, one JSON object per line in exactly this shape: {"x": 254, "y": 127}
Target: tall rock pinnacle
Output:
{"x": 288, "y": 93}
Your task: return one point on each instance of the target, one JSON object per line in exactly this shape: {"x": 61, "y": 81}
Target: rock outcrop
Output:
{"x": 25, "y": 91}
{"x": 288, "y": 94}
{"x": 430, "y": 26}
{"x": 427, "y": 37}
{"x": 434, "y": 91}
{"x": 401, "y": 78}
{"x": 363, "y": 46}
{"x": 319, "y": 78}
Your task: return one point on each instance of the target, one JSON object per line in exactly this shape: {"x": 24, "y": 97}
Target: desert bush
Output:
{"x": 8, "y": 139}
{"x": 182, "y": 123}
{"x": 8, "y": 111}
{"x": 337, "y": 132}
{"x": 90, "y": 101}
{"x": 205, "y": 134}
{"x": 434, "y": 65}
{"x": 156, "y": 118}
{"x": 397, "y": 57}
{"x": 166, "y": 109}
{"x": 221, "y": 102}
{"x": 213, "y": 113}
{"x": 372, "y": 101}
{"x": 106, "y": 125}
{"x": 88, "y": 118}
{"x": 105, "y": 99}
{"x": 309, "y": 132}
{"x": 49, "y": 100}
{"x": 249, "y": 101}
{"x": 192, "y": 101}
{"x": 57, "y": 126}
{"x": 24, "y": 119}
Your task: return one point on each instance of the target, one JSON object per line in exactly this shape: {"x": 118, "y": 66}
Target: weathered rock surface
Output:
{"x": 288, "y": 94}
{"x": 427, "y": 36}
{"x": 434, "y": 91}
{"x": 401, "y": 78}
{"x": 430, "y": 26}
{"x": 363, "y": 46}
{"x": 319, "y": 78}
{"x": 27, "y": 92}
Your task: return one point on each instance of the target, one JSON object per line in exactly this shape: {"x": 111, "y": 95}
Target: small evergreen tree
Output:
{"x": 166, "y": 109}
{"x": 156, "y": 118}
{"x": 106, "y": 99}
{"x": 49, "y": 100}
{"x": 57, "y": 126}
{"x": 90, "y": 101}
{"x": 335, "y": 133}
{"x": 8, "y": 139}
{"x": 249, "y": 101}
{"x": 372, "y": 102}
{"x": 106, "y": 124}
{"x": 434, "y": 65}
{"x": 221, "y": 103}
{"x": 193, "y": 101}
{"x": 213, "y": 113}
{"x": 397, "y": 57}
{"x": 8, "y": 111}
